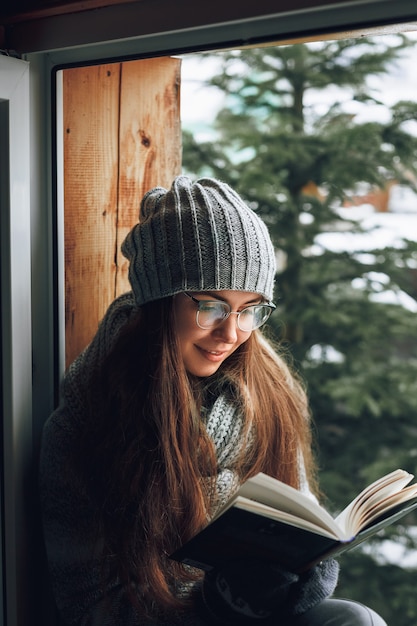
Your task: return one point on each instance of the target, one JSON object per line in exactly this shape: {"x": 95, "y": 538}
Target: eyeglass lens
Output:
{"x": 210, "y": 314}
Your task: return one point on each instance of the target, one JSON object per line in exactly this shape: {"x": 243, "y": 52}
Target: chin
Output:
{"x": 203, "y": 372}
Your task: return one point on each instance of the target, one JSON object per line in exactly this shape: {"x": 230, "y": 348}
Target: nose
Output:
{"x": 228, "y": 329}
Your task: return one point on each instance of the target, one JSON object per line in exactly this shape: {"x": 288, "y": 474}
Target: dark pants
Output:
{"x": 327, "y": 613}
{"x": 339, "y": 613}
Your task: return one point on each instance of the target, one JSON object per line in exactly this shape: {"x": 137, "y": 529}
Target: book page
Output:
{"x": 281, "y": 516}
{"x": 392, "y": 501}
{"x": 274, "y": 493}
{"x": 380, "y": 491}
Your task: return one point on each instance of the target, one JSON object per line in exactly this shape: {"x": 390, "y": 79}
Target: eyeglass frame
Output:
{"x": 269, "y": 305}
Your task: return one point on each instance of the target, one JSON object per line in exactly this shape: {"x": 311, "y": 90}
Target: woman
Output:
{"x": 177, "y": 400}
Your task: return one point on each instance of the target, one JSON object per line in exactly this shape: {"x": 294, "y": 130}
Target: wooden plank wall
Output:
{"x": 122, "y": 137}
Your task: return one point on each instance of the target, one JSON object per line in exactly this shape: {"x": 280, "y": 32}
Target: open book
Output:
{"x": 267, "y": 519}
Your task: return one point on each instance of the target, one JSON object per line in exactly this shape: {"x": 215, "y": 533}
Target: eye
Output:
{"x": 249, "y": 311}
{"x": 208, "y": 306}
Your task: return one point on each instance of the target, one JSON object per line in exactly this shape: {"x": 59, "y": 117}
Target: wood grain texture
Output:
{"x": 150, "y": 140}
{"x": 121, "y": 138}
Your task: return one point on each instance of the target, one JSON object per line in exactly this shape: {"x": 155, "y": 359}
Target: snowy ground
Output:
{"x": 381, "y": 230}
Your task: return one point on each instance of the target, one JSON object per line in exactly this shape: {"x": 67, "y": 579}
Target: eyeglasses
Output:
{"x": 211, "y": 313}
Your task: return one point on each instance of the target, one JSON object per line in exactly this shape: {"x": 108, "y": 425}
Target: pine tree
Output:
{"x": 297, "y": 159}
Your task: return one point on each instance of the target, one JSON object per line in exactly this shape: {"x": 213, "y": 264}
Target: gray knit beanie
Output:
{"x": 198, "y": 237}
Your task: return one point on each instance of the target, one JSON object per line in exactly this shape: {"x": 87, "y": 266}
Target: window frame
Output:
{"x": 16, "y": 337}
{"x": 32, "y": 300}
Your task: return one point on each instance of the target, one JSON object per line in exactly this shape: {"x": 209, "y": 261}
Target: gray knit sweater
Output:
{"x": 72, "y": 541}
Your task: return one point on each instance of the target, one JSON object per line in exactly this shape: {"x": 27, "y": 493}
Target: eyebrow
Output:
{"x": 216, "y": 296}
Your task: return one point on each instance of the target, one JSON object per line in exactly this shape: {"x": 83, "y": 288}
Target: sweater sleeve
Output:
{"x": 313, "y": 586}
{"x": 257, "y": 592}
{"x": 74, "y": 550}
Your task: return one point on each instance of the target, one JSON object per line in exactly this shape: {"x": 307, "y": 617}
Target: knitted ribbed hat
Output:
{"x": 198, "y": 237}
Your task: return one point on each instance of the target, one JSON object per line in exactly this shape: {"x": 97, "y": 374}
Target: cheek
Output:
{"x": 186, "y": 329}
{"x": 188, "y": 333}
{"x": 244, "y": 337}
{"x": 240, "y": 341}
{"x": 184, "y": 321}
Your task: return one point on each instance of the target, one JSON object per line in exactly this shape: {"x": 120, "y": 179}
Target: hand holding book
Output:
{"x": 252, "y": 589}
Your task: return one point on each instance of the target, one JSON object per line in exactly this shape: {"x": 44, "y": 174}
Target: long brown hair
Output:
{"x": 144, "y": 448}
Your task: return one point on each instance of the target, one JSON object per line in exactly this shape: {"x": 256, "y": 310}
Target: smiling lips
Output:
{"x": 212, "y": 355}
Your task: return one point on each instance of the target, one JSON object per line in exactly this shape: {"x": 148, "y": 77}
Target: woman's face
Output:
{"x": 204, "y": 350}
